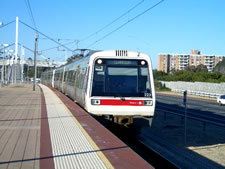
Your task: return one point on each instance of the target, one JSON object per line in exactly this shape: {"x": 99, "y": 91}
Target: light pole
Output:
{"x": 3, "y": 67}
{"x": 10, "y": 54}
{"x": 35, "y": 60}
{"x": 22, "y": 64}
{"x": 16, "y": 49}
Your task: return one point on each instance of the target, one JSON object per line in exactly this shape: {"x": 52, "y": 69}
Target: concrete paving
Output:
{"x": 45, "y": 129}
{"x": 20, "y": 112}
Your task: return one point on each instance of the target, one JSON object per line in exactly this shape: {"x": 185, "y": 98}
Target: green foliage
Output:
{"x": 190, "y": 75}
{"x": 159, "y": 87}
{"x": 190, "y": 69}
{"x": 201, "y": 68}
{"x": 220, "y": 67}
{"x": 31, "y": 73}
{"x": 159, "y": 74}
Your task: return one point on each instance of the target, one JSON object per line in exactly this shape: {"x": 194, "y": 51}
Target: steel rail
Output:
{"x": 221, "y": 124}
{"x": 194, "y": 114}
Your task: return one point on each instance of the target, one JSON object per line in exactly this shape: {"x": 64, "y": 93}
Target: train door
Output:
{"x": 85, "y": 82}
{"x": 60, "y": 80}
{"x": 56, "y": 80}
{"x": 63, "y": 80}
{"x": 76, "y": 82}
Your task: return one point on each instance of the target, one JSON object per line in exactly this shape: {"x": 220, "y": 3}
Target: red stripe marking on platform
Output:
{"x": 46, "y": 156}
{"x": 118, "y": 153}
{"x": 111, "y": 102}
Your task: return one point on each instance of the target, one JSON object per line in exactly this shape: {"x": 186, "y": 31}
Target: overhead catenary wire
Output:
{"x": 107, "y": 25}
{"x": 75, "y": 41}
{"x": 46, "y": 36}
{"x": 7, "y": 46}
{"x": 60, "y": 39}
{"x": 39, "y": 54}
{"x": 121, "y": 26}
{"x": 7, "y": 24}
{"x": 32, "y": 51}
{"x": 27, "y": 2}
{"x": 26, "y": 48}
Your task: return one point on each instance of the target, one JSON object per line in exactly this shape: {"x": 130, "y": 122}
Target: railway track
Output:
{"x": 192, "y": 113}
{"x": 129, "y": 135}
{"x": 156, "y": 149}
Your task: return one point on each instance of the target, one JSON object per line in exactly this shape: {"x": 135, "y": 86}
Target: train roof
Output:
{"x": 93, "y": 51}
{"x": 85, "y": 58}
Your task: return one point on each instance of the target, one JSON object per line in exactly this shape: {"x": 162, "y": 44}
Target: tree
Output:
{"x": 201, "y": 68}
{"x": 190, "y": 69}
{"x": 220, "y": 67}
{"x": 159, "y": 74}
{"x": 31, "y": 72}
{"x": 183, "y": 75}
{"x": 172, "y": 71}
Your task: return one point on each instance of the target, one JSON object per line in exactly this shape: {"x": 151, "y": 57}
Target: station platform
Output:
{"x": 45, "y": 129}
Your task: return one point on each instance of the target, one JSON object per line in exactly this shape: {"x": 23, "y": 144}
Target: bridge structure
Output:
{"x": 13, "y": 72}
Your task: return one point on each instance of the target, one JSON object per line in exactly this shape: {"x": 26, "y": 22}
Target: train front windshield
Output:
{"x": 121, "y": 78}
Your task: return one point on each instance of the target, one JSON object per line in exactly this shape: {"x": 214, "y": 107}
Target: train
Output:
{"x": 118, "y": 84}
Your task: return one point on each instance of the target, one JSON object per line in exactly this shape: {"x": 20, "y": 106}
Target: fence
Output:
{"x": 196, "y": 88}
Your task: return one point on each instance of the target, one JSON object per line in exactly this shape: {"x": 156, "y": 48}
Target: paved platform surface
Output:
{"x": 45, "y": 129}
{"x": 20, "y": 120}
{"x": 71, "y": 148}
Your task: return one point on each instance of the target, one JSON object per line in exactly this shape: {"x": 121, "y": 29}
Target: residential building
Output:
{"x": 168, "y": 62}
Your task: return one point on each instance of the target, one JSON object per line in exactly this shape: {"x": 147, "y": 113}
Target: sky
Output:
{"x": 173, "y": 26}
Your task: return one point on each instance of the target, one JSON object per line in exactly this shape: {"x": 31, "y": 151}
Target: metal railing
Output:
{"x": 198, "y": 93}
{"x": 205, "y": 89}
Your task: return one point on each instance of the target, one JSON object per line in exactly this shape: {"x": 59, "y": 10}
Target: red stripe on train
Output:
{"x": 110, "y": 102}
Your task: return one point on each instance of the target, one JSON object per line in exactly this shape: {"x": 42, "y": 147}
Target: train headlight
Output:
{"x": 148, "y": 102}
{"x": 95, "y": 101}
{"x": 142, "y": 62}
{"x": 99, "y": 61}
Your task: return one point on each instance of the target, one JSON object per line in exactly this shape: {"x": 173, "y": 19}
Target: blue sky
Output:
{"x": 175, "y": 26}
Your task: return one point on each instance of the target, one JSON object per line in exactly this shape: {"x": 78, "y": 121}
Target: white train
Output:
{"x": 117, "y": 83}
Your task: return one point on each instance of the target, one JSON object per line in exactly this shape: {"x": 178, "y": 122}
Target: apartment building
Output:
{"x": 168, "y": 62}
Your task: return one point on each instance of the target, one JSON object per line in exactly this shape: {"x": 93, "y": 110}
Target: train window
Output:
{"x": 86, "y": 79}
{"x": 56, "y": 76}
{"x": 143, "y": 82}
{"x": 70, "y": 76}
{"x": 121, "y": 80}
{"x": 80, "y": 78}
{"x": 60, "y": 76}
{"x": 79, "y": 82}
